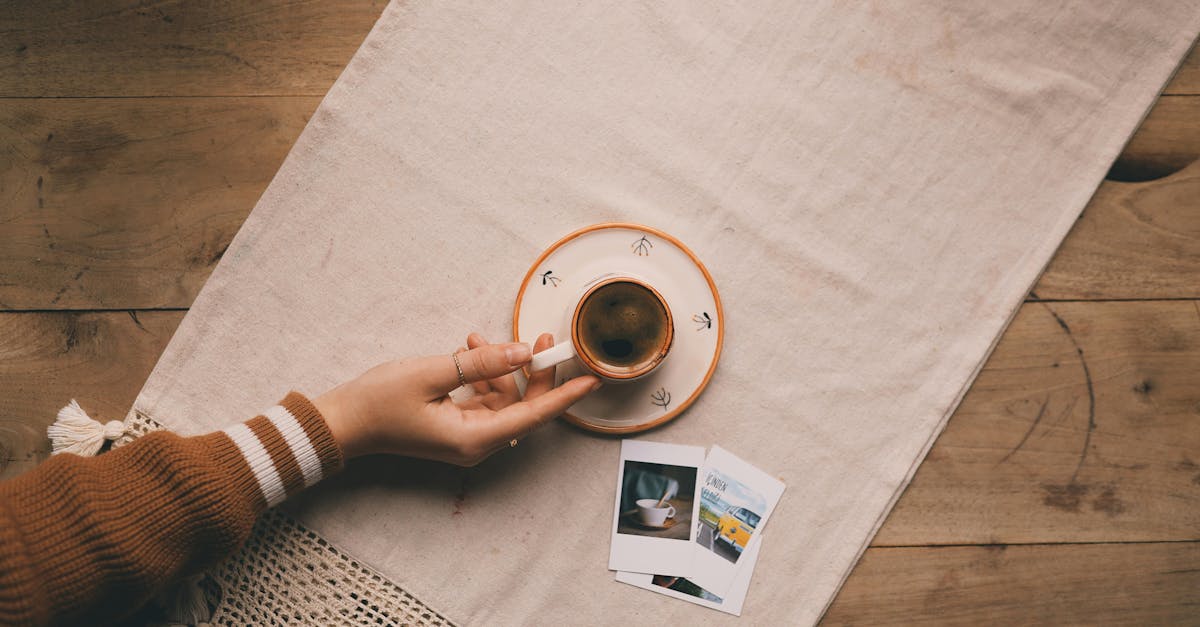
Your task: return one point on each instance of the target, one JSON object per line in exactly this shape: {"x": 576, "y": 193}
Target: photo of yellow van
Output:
{"x": 736, "y": 526}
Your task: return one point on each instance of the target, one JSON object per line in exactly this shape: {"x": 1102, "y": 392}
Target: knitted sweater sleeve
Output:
{"x": 83, "y": 538}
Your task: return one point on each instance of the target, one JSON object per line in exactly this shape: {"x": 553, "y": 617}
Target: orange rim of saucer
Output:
{"x": 712, "y": 367}
{"x": 589, "y": 361}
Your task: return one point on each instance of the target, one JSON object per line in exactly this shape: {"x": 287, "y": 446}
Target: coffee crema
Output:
{"x": 623, "y": 327}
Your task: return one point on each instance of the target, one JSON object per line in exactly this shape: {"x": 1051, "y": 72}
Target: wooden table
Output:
{"x": 136, "y": 137}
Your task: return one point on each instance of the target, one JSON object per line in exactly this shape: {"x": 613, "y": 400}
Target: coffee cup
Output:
{"x": 621, "y": 330}
{"x": 651, "y": 514}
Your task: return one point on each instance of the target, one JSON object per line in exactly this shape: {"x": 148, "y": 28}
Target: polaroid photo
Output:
{"x": 684, "y": 589}
{"x": 656, "y": 508}
{"x": 736, "y": 499}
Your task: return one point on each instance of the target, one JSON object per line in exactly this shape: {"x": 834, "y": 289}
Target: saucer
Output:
{"x": 554, "y": 282}
{"x": 631, "y": 518}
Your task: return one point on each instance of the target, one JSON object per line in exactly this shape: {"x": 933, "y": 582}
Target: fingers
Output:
{"x": 437, "y": 375}
{"x": 480, "y": 387}
{"x": 541, "y": 381}
{"x": 518, "y": 419}
{"x": 505, "y": 385}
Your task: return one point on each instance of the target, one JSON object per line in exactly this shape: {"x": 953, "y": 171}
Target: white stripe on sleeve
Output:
{"x": 260, "y": 463}
{"x": 297, "y": 440}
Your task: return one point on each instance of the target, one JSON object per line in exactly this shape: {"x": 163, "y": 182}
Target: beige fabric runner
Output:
{"x": 874, "y": 187}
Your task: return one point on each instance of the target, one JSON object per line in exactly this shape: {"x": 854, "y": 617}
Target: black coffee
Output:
{"x": 623, "y": 325}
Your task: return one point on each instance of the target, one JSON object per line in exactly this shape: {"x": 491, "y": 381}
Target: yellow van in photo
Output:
{"x": 735, "y": 527}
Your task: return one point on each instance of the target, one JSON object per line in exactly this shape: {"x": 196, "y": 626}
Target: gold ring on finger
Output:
{"x": 462, "y": 378}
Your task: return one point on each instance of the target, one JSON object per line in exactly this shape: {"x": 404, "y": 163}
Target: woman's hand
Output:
{"x": 404, "y": 408}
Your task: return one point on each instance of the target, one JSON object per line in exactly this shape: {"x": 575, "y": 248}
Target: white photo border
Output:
{"x": 642, "y": 554}
{"x": 730, "y": 604}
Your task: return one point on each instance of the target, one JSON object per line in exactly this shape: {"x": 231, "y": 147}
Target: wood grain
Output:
{"x": 177, "y": 48}
{"x": 47, "y": 359}
{"x": 1167, "y": 141}
{"x": 1084, "y": 426}
{"x": 129, "y": 203}
{"x": 1109, "y": 584}
{"x": 1134, "y": 240}
{"x": 1187, "y": 77}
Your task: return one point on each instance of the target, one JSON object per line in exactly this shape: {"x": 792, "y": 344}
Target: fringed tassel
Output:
{"x": 188, "y": 603}
{"x": 75, "y": 432}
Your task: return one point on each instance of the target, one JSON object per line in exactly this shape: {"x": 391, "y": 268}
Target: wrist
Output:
{"x": 343, "y": 423}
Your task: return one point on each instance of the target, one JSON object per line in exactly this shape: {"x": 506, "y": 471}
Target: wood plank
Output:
{"x": 1084, "y": 426}
{"x": 47, "y": 359}
{"x": 177, "y": 48}
{"x": 129, "y": 203}
{"x": 1139, "y": 237}
{"x": 1187, "y": 77}
{"x": 1110, "y": 584}
{"x": 1167, "y": 141}
{"x": 1134, "y": 240}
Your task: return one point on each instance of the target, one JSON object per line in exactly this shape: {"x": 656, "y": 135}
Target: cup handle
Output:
{"x": 672, "y": 514}
{"x": 552, "y": 356}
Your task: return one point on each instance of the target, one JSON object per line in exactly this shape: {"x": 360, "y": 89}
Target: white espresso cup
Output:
{"x": 651, "y": 514}
{"x": 621, "y": 330}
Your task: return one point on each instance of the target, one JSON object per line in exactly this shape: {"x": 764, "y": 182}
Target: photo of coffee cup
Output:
{"x": 621, "y": 330}
{"x": 651, "y": 515}
{"x": 657, "y": 500}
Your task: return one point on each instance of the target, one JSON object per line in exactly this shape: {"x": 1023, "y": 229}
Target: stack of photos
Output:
{"x": 690, "y": 526}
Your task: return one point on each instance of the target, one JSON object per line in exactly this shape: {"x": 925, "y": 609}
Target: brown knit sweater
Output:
{"x": 87, "y": 540}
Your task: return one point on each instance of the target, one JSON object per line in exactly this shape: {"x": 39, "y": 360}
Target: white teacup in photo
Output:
{"x": 621, "y": 330}
{"x": 652, "y": 515}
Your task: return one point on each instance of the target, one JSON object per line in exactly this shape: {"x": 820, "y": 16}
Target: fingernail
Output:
{"x": 518, "y": 354}
{"x": 597, "y": 385}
